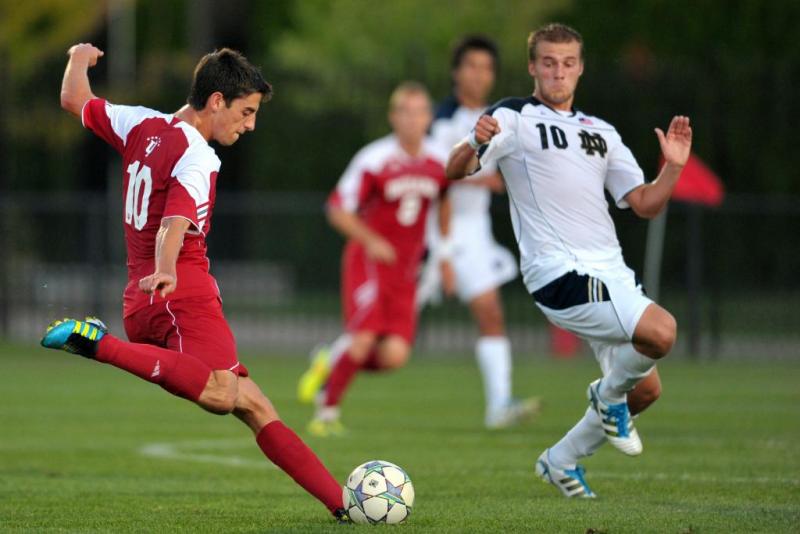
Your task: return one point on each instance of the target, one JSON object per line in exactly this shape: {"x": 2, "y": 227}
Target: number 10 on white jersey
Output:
{"x": 136, "y": 209}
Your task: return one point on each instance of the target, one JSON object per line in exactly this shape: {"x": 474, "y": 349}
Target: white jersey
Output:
{"x": 452, "y": 123}
{"x": 556, "y": 167}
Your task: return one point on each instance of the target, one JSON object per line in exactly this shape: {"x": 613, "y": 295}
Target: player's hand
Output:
{"x": 380, "y": 250}
{"x": 85, "y": 52}
{"x": 164, "y": 283}
{"x": 676, "y": 145}
{"x": 448, "y": 278}
{"x": 486, "y": 128}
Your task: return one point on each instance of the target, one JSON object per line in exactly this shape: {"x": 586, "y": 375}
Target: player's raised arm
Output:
{"x": 463, "y": 158}
{"x": 75, "y": 87}
{"x": 649, "y": 200}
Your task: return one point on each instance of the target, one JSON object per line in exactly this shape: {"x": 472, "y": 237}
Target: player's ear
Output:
{"x": 531, "y": 68}
{"x": 215, "y": 101}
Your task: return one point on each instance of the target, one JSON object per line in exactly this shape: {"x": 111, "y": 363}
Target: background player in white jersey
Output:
{"x": 481, "y": 266}
{"x": 556, "y": 162}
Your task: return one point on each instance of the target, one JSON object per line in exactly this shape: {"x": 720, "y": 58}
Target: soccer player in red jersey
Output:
{"x": 380, "y": 205}
{"x": 179, "y": 338}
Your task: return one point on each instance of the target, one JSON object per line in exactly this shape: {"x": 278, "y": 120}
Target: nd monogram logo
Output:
{"x": 592, "y": 143}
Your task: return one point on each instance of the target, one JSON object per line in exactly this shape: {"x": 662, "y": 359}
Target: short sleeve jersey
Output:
{"x": 169, "y": 170}
{"x": 392, "y": 191}
{"x": 556, "y": 167}
{"x": 452, "y": 123}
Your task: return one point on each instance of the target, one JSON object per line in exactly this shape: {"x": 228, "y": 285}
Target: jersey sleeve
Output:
{"x": 354, "y": 187}
{"x": 623, "y": 174}
{"x": 112, "y": 123}
{"x": 189, "y": 188}
{"x": 502, "y": 144}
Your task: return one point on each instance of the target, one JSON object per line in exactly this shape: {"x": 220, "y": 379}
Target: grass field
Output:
{"x": 87, "y": 448}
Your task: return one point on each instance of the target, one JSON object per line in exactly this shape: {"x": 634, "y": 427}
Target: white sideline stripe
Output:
{"x": 191, "y": 451}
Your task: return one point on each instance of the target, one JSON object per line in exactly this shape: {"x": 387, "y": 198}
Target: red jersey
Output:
{"x": 392, "y": 191}
{"x": 169, "y": 170}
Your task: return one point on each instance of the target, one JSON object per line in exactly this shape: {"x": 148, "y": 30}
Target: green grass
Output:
{"x": 722, "y": 451}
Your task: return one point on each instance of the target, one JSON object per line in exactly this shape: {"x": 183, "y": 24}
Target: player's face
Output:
{"x": 411, "y": 117}
{"x": 556, "y": 69}
{"x": 474, "y": 77}
{"x": 231, "y": 122}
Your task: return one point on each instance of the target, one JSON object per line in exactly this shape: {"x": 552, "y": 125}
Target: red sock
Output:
{"x": 287, "y": 451}
{"x": 179, "y": 373}
{"x": 342, "y": 374}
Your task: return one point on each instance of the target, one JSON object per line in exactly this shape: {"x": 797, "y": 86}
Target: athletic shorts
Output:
{"x": 481, "y": 265}
{"x": 192, "y": 325}
{"x": 378, "y": 298}
{"x": 602, "y": 309}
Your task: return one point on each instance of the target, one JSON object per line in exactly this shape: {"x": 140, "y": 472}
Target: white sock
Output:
{"x": 581, "y": 441}
{"x": 494, "y": 359}
{"x": 628, "y": 368}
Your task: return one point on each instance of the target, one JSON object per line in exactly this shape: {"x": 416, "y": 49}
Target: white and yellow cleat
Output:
{"x": 514, "y": 413}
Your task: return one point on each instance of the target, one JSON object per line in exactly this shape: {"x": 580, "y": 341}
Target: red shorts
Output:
{"x": 194, "y": 325}
{"x": 378, "y": 298}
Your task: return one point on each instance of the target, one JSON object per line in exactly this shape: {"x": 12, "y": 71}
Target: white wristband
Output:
{"x": 472, "y": 141}
{"x": 444, "y": 250}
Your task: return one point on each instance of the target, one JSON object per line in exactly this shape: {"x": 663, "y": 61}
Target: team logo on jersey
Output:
{"x": 593, "y": 143}
{"x": 152, "y": 144}
{"x": 411, "y": 185}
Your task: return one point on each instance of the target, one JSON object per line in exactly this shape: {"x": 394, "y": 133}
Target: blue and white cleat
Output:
{"x": 77, "y": 337}
{"x": 569, "y": 481}
{"x": 616, "y": 421}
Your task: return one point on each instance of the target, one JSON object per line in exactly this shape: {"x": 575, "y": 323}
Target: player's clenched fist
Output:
{"x": 486, "y": 128}
{"x": 380, "y": 250}
{"x": 85, "y": 52}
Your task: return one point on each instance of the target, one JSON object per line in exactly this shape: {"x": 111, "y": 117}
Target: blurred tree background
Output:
{"x": 730, "y": 65}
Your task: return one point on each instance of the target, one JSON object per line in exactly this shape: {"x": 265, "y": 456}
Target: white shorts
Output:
{"x": 602, "y": 310}
{"x": 481, "y": 265}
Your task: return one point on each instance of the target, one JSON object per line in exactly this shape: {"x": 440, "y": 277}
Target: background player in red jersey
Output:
{"x": 380, "y": 205}
{"x": 172, "y": 307}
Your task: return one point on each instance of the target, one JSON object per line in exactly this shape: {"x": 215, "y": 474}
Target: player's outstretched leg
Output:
{"x": 285, "y": 449}
{"x": 179, "y": 373}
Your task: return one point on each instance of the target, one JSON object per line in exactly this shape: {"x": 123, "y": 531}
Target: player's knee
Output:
{"x": 396, "y": 357}
{"x": 664, "y": 336}
{"x": 220, "y": 401}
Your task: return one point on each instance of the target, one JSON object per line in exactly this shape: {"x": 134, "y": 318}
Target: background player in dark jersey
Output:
{"x": 172, "y": 308}
{"x": 480, "y": 264}
{"x": 380, "y": 205}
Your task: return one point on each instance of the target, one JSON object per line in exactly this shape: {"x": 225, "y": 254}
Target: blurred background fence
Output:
{"x": 729, "y": 274}
{"x": 277, "y": 263}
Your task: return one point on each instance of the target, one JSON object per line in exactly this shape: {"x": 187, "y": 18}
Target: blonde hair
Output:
{"x": 553, "y": 33}
{"x": 407, "y": 88}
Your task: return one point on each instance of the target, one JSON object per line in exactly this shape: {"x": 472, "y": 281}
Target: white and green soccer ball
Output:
{"x": 378, "y": 492}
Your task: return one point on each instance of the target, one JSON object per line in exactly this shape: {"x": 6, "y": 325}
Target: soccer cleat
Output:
{"x": 570, "y": 482}
{"x": 77, "y": 337}
{"x": 316, "y": 375}
{"x": 342, "y": 516}
{"x": 616, "y": 421}
{"x": 517, "y": 411}
{"x": 323, "y": 428}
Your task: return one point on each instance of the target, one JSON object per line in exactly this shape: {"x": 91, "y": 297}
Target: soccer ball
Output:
{"x": 378, "y": 492}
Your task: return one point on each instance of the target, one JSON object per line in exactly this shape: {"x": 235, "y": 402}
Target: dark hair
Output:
{"x": 228, "y": 72}
{"x": 553, "y": 33}
{"x": 473, "y": 42}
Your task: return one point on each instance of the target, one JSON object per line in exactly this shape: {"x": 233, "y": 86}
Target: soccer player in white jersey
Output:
{"x": 480, "y": 265}
{"x": 172, "y": 311}
{"x": 557, "y": 162}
